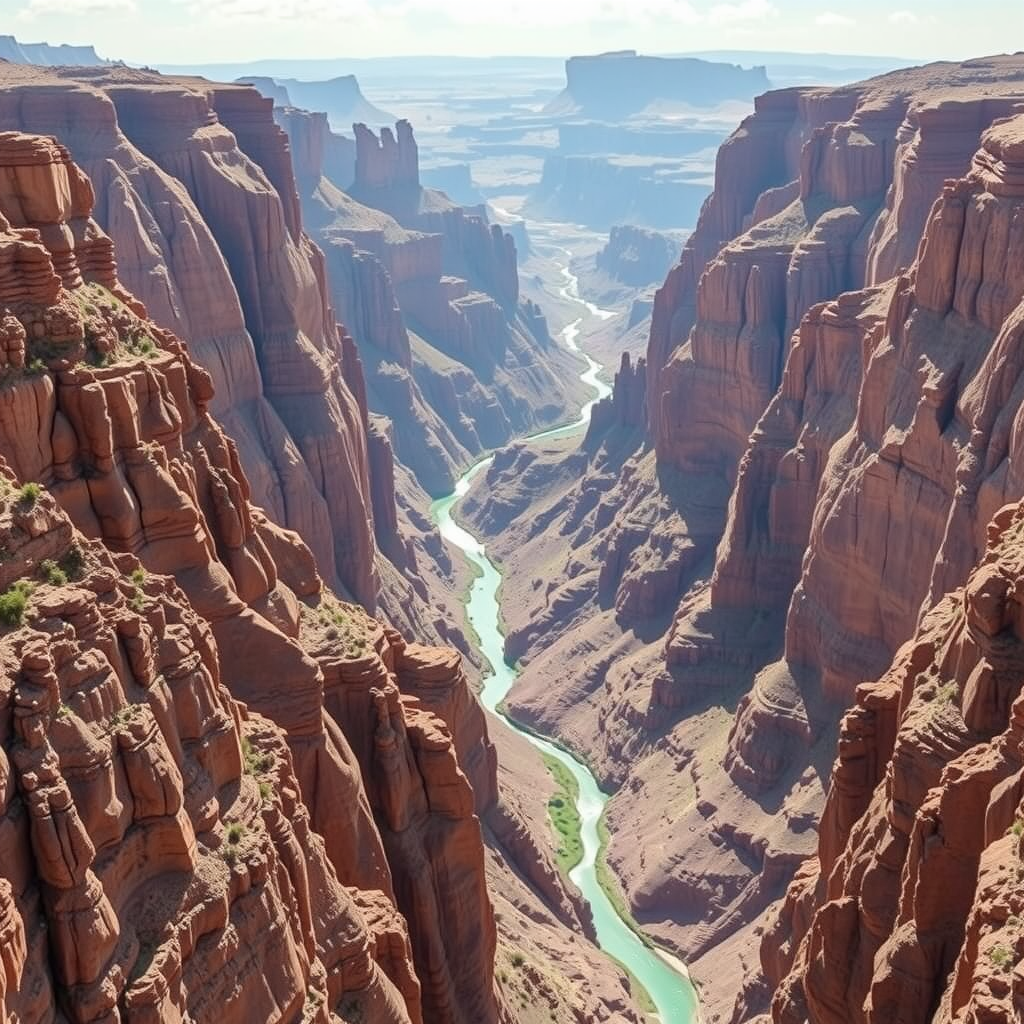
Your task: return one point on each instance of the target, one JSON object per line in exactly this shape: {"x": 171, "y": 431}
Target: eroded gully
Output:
{"x": 663, "y": 977}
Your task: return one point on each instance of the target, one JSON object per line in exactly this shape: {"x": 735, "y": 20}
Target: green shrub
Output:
{"x": 1001, "y": 957}
{"x": 518, "y": 959}
{"x": 13, "y": 603}
{"x": 73, "y": 561}
{"x": 138, "y": 576}
{"x": 52, "y": 573}
{"x": 235, "y": 833}
{"x": 36, "y": 367}
{"x": 29, "y": 494}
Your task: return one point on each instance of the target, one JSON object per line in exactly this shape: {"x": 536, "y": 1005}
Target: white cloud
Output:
{"x": 745, "y": 11}
{"x": 830, "y": 19}
{"x": 904, "y": 18}
{"x": 42, "y": 8}
{"x": 279, "y": 10}
{"x": 543, "y": 13}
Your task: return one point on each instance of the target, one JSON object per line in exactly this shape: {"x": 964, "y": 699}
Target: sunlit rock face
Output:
{"x": 187, "y": 828}
{"x": 831, "y": 385}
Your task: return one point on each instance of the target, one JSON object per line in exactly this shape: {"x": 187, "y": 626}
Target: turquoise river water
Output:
{"x": 664, "y": 979}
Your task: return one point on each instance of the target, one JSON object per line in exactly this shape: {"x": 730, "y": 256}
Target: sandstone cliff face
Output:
{"x": 158, "y": 861}
{"x": 431, "y": 294}
{"x": 831, "y": 414}
{"x": 232, "y": 760}
{"x": 208, "y": 225}
{"x": 110, "y": 414}
{"x": 910, "y": 910}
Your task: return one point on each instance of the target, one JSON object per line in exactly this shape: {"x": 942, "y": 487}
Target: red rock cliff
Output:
{"x": 272, "y": 348}
{"x": 832, "y": 423}
{"x": 430, "y": 293}
{"x": 108, "y": 412}
{"x": 910, "y": 910}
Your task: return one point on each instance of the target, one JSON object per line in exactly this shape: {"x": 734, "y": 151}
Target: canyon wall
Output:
{"x": 109, "y": 414}
{"x": 208, "y": 222}
{"x": 226, "y": 792}
{"x": 831, "y": 401}
{"x": 430, "y": 292}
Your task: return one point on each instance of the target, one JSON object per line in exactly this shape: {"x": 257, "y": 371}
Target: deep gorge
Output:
{"x": 261, "y": 389}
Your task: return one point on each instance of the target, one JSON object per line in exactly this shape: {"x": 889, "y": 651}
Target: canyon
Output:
{"x": 764, "y": 592}
{"x": 804, "y": 462}
{"x": 207, "y": 746}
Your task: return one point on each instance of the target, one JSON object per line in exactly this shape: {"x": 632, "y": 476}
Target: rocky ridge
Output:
{"x": 830, "y": 428}
{"x": 314, "y": 798}
{"x": 184, "y": 172}
{"x": 431, "y": 293}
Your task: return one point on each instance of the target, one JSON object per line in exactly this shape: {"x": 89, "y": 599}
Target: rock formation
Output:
{"x": 160, "y": 154}
{"x": 635, "y": 256}
{"x": 109, "y": 413}
{"x": 603, "y": 191}
{"x": 430, "y": 293}
{"x": 911, "y": 909}
{"x": 611, "y": 86}
{"x": 18, "y": 52}
{"x": 831, "y": 394}
{"x": 223, "y": 791}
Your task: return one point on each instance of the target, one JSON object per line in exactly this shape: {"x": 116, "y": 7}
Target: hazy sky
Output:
{"x": 187, "y": 31}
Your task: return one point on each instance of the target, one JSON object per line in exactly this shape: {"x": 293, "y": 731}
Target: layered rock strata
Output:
{"x": 247, "y": 288}
{"x": 910, "y": 909}
{"x": 257, "y": 800}
{"x": 431, "y": 294}
{"x": 831, "y": 424}
{"x": 110, "y": 414}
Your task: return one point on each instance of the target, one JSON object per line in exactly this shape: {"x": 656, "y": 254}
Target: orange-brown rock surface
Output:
{"x": 832, "y": 393}
{"x": 911, "y": 909}
{"x": 194, "y": 184}
{"x": 224, "y": 792}
{"x": 109, "y": 413}
{"x": 430, "y": 292}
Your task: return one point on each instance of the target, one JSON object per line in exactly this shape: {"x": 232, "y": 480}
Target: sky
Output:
{"x": 197, "y": 31}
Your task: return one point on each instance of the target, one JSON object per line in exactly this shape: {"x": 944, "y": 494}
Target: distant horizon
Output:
{"x": 225, "y": 32}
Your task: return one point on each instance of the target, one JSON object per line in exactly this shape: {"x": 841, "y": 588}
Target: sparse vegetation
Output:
{"x": 137, "y": 601}
{"x": 124, "y": 715}
{"x": 565, "y": 818}
{"x": 1001, "y": 958}
{"x": 266, "y": 792}
{"x": 518, "y": 959}
{"x": 947, "y": 693}
{"x": 236, "y": 831}
{"x": 64, "y": 711}
{"x": 35, "y": 367}
{"x": 14, "y": 602}
{"x": 255, "y": 762}
{"x": 230, "y": 855}
{"x": 342, "y": 624}
{"x": 29, "y": 494}
{"x": 73, "y": 562}
{"x": 52, "y": 573}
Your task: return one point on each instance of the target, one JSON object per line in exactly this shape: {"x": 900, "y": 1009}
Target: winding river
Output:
{"x": 664, "y": 979}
